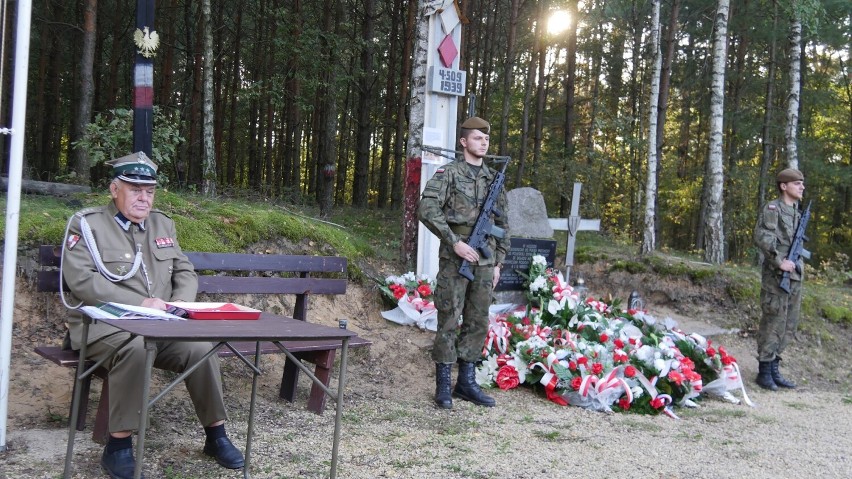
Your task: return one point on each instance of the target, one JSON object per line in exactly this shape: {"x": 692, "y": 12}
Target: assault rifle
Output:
{"x": 484, "y": 225}
{"x": 796, "y": 248}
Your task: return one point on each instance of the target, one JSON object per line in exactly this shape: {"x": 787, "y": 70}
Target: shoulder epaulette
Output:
{"x": 154, "y": 210}
{"x": 88, "y": 211}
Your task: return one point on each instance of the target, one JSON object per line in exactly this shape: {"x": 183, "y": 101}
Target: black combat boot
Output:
{"x": 467, "y": 389}
{"x": 443, "y": 379}
{"x": 764, "y": 376}
{"x": 778, "y": 378}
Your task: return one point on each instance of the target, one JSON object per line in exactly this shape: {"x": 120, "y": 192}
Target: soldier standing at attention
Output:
{"x": 126, "y": 252}
{"x": 773, "y": 236}
{"x": 449, "y": 208}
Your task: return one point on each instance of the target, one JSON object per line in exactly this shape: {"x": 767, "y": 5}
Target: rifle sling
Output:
{"x": 462, "y": 230}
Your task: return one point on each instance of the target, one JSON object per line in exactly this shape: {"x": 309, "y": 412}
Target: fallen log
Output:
{"x": 47, "y": 188}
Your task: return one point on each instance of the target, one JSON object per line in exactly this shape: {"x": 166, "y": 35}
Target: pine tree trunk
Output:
{"x": 360, "y": 186}
{"x": 402, "y": 103}
{"x": 508, "y": 77}
{"x": 570, "y": 103}
{"x": 208, "y": 185}
{"x": 766, "y": 143}
{"x": 87, "y": 88}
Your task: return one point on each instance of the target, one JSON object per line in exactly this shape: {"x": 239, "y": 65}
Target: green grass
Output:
{"x": 218, "y": 225}
{"x": 241, "y": 224}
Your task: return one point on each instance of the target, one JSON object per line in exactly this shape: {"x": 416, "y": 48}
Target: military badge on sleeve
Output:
{"x": 71, "y": 241}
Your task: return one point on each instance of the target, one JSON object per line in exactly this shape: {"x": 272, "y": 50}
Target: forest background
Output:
{"x": 311, "y": 103}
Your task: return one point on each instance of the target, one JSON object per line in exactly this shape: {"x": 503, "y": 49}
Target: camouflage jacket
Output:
{"x": 774, "y": 235}
{"x": 450, "y": 206}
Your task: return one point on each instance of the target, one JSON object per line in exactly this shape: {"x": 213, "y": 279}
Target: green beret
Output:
{"x": 788, "y": 175}
{"x": 135, "y": 168}
{"x": 476, "y": 123}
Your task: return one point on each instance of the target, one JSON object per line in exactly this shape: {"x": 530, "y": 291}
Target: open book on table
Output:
{"x": 126, "y": 311}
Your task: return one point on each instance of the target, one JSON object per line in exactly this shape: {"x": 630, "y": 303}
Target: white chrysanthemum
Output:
{"x": 637, "y": 392}
{"x": 539, "y": 284}
{"x": 409, "y": 276}
{"x": 487, "y": 371}
{"x": 539, "y": 260}
{"x": 645, "y": 354}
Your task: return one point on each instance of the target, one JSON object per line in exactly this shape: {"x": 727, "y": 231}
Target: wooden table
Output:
{"x": 269, "y": 327}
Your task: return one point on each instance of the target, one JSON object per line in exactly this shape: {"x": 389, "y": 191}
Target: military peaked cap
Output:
{"x": 476, "y": 123}
{"x": 135, "y": 168}
{"x": 788, "y": 175}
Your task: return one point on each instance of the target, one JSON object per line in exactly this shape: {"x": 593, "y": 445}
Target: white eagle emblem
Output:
{"x": 146, "y": 41}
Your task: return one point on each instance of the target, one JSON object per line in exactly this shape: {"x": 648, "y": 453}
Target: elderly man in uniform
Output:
{"x": 773, "y": 236}
{"x": 127, "y": 252}
{"x": 449, "y": 208}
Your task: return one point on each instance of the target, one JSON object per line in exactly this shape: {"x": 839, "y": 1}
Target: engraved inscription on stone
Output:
{"x": 519, "y": 258}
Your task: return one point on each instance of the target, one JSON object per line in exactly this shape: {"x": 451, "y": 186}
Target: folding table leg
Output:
{"x": 85, "y": 386}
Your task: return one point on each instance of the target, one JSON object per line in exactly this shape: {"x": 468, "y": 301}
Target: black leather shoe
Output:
{"x": 225, "y": 453}
{"x": 119, "y": 464}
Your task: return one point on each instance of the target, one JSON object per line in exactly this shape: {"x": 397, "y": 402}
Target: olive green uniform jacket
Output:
{"x": 169, "y": 272}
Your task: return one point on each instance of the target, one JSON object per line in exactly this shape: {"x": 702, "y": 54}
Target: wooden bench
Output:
{"x": 235, "y": 274}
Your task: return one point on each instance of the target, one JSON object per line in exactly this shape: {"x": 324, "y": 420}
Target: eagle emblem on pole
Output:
{"x": 146, "y": 41}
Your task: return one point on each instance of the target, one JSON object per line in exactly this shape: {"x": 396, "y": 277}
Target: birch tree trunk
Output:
{"x": 714, "y": 234}
{"x": 648, "y": 240}
{"x": 413, "y": 163}
{"x": 794, "y": 40}
{"x": 208, "y": 184}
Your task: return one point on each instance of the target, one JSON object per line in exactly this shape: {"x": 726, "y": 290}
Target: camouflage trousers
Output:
{"x": 455, "y": 297}
{"x": 780, "y": 316}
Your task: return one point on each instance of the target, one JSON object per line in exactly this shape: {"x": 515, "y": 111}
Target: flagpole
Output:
{"x": 13, "y": 204}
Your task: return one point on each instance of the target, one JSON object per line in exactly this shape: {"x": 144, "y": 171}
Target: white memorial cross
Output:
{"x": 572, "y": 225}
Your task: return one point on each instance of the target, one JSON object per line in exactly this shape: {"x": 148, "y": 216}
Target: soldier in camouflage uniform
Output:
{"x": 449, "y": 208}
{"x": 773, "y": 236}
{"x": 126, "y": 252}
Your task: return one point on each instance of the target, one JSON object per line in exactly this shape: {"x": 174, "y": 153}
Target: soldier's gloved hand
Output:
{"x": 464, "y": 251}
